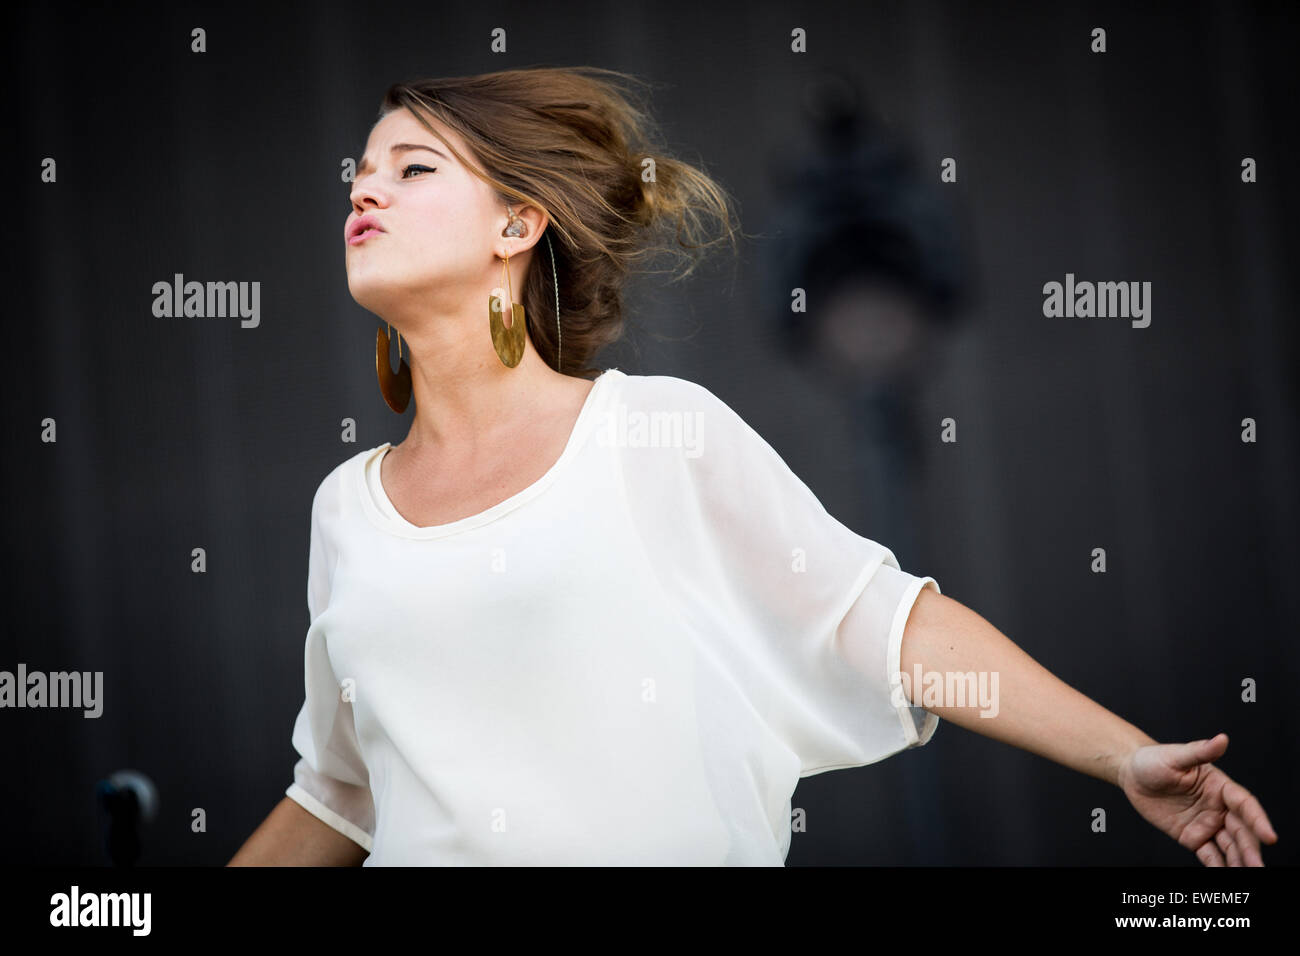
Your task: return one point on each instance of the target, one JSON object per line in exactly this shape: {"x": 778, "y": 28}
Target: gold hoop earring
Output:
{"x": 395, "y": 386}
{"x": 508, "y": 342}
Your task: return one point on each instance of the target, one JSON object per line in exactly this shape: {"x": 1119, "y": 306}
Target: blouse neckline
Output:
{"x": 386, "y": 517}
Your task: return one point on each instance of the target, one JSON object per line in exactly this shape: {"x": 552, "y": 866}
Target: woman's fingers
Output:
{"x": 1248, "y": 809}
{"x": 1225, "y": 843}
{"x": 1188, "y": 755}
{"x": 1245, "y": 839}
{"x": 1209, "y": 854}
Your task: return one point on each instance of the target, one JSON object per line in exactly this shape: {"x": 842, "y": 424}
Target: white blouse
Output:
{"x": 631, "y": 661}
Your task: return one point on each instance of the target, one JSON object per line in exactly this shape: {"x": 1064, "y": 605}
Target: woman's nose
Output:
{"x": 366, "y": 194}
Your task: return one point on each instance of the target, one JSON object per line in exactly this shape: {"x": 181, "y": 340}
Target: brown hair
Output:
{"x": 574, "y": 142}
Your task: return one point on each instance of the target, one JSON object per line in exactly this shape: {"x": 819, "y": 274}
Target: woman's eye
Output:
{"x": 407, "y": 169}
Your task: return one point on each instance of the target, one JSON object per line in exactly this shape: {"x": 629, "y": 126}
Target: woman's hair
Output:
{"x": 575, "y": 143}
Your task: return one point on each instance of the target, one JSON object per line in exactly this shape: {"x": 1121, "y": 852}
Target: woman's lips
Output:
{"x": 364, "y": 235}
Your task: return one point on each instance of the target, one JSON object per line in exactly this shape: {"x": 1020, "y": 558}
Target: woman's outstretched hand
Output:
{"x": 1177, "y": 789}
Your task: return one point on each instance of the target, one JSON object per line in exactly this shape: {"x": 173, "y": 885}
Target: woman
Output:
{"x": 573, "y": 621}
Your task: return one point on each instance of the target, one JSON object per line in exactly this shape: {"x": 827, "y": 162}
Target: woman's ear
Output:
{"x": 535, "y": 222}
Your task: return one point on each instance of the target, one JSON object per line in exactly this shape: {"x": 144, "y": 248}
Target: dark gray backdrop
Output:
{"x": 1073, "y": 434}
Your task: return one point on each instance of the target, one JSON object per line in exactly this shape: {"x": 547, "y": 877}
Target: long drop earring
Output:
{"x": 395, "y": 386}
{"x": 508, "y": 342}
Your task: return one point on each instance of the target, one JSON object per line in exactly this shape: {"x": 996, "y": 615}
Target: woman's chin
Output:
{"x": 370, "y": 293}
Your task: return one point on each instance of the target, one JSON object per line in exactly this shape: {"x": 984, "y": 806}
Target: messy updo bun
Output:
{"x": 578, "y": 143}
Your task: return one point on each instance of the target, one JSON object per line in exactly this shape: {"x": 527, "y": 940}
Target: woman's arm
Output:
{"x": 1035, "y": 710}
{"x": 290, "y": 836}
{"x": 1173, "y": 786}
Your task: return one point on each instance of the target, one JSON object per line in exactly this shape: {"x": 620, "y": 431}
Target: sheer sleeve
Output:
{"x": 330, "y": 780}
{"x": 810, "y": 613}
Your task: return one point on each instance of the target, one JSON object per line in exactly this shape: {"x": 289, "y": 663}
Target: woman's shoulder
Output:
{"x": 669, "y": 393}
{"x": 329, "y": 488}
{"x": 674, "y": 412}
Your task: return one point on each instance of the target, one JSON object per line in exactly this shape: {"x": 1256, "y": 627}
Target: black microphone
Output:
{"x": 130, "y": 799}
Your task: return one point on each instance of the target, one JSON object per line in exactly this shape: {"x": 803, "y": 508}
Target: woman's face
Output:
{"x": 439, "y": 223}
